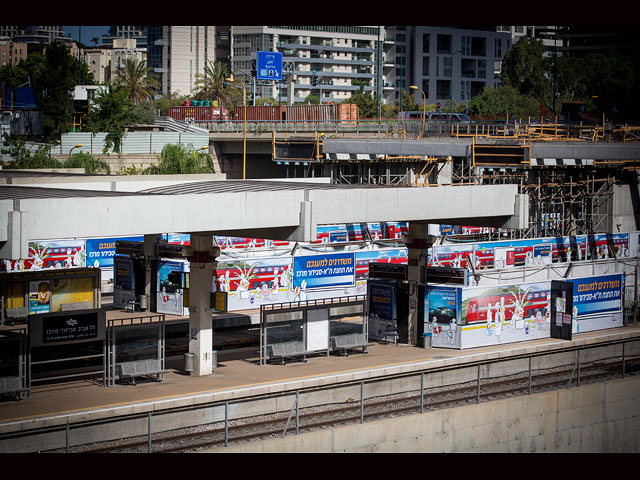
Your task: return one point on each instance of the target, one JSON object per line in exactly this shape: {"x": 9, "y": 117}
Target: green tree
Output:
{"x": 210, "y": 86}
{"x": 613, "y": 81}
{"x": 525, "y": 68}
{"x": 164, "y": 102}
{"x": 502, "y": 101}
{"x": 312, "y": 99}
{"x": 134, "y": 79}
{"x": 15, "y": 147}
{"x": 367, "y": 105}
{"x": 179, "y": 159}
{"x": 409, "y": 103}
{"x": 110, "y": 113}
{"x": 53, "y": 90}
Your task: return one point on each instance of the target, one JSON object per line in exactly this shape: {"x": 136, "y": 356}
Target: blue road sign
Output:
{"x": 269, "y": 66}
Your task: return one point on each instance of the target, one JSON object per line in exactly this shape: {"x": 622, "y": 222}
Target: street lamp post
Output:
{"x": 244, "y": 147}
{"x": 451, "y": 85}
{"x": 75, "y": 146}
{"x": 424, "y": 103}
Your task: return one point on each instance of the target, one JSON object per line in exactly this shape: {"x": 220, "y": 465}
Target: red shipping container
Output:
{"x": 199, "y": 114}
{"x": 260, "y": 113}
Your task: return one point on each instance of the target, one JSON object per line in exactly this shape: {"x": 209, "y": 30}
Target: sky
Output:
{"x": 87, "y": 32}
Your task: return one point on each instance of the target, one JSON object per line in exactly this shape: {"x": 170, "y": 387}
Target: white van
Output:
{"x": 460, "y": 118}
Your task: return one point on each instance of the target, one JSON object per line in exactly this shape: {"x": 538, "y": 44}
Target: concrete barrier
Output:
{"x": 594, "y": 418}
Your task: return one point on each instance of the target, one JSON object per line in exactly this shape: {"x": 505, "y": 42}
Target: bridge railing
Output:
{"x": 414, "y": 129}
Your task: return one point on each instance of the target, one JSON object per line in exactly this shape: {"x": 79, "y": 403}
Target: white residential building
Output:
{"x": 179, "y": 53}
{"x": 342, "y": 57}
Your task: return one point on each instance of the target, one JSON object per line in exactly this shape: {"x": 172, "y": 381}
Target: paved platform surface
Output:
{"x": 84, "y": 399}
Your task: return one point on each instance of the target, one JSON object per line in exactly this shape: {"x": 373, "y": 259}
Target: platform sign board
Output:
{"x": 269, "y": 66}
{"x": 600, "y": 294}
{"x": 317, "y": 271}
{"x": 66, "y": 327}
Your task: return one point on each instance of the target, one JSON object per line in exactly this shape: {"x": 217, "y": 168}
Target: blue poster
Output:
{"x": 597, "y": 294}
{"x": 324, "y": 270}
{"x": 442, "y": 304}
{"x": 382, "y": 300}
{"x": 101, "y": 251}
{"x": 124, "y": 275}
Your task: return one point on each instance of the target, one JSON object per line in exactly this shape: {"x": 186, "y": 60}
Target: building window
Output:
{"x": 443, "y": 88}
{"x": 425, "y": 43}
{"x": 466, "y": 45}
{"x": 482, "y": 68}
{"x": 446, "y": 66}
{"x": 425, "y": 66}
{"x": 498, "y": 47}
{"x": 444, "y": 44}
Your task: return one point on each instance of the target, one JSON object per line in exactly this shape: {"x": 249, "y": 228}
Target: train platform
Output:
{"x": 81, "y": 400}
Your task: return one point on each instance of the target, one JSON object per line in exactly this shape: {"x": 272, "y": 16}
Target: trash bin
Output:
{"x": 426, "y": 340}
{"x": 189, "y": 362}
{"x": 214, "y": 359}
{"x": 142, "y": 301}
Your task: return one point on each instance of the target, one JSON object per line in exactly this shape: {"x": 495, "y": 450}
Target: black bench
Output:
{"x": 287, "y": 350}
{"x": 13, "y": 386}
{"x": 16, "y": 315}
{"x": 345, "y": 343}
{"x": 141, "y": 368}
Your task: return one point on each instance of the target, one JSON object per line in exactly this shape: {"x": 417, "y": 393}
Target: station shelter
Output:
{"x": 51, "y": 324}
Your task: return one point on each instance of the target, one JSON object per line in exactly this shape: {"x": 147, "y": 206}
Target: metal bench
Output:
{"x": 13, "y": 386}
{"x": 66, "y": 307}
{"x": 287, "y": 350}
{"x": 141, "y": 368}
{"x": 348, "y": 342}
{"x": 16, "y": 315}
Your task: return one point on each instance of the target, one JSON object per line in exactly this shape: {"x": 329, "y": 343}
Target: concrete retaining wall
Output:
{"x": 598, "y": 418}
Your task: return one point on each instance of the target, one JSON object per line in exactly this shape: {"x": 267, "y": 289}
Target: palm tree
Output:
{"x": 210, "y": 85}
{"x": 135, "y": 80}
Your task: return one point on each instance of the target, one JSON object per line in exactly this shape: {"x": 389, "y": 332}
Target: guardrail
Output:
{"x": 413, "y": 129}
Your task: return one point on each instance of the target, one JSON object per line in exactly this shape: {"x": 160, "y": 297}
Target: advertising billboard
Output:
{"x": 442, "y": 315}
{"x": 170, "y": 296}
{"x": 101, "y": 251}
{"x": 382, "y": 308}
{"x": 318, "y": 271}
{"x": 594, "y": 295}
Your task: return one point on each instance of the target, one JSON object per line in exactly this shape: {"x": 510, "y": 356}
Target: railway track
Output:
{"x": 352, "y": 411}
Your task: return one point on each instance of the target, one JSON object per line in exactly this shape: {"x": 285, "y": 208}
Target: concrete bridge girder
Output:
{"x": 275, "y": 213}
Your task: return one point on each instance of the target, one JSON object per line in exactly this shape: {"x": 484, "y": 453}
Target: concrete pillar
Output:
{"x": 201, "y": 267}
{"x": 418, "y": 243}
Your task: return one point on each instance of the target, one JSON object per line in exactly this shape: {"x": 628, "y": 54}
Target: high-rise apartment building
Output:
{"x": 178, "y": 54}
{"x": 137, "y": 33}
{"x": 341, "y": 58}
{"x": 446, "y": 63}
{"x": 11, "y": 52}
{"x": 35, "y": 34}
